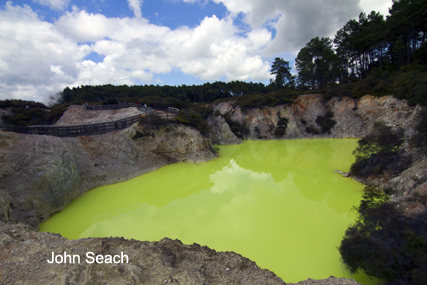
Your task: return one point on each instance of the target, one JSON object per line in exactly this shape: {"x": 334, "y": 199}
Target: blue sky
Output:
{"x": 46, "y": 45}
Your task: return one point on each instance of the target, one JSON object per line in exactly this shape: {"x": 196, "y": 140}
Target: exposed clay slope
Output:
{"x": 221, "y": 132}
{"x": 40, "y": 175}
{"x": 354, "y": 118}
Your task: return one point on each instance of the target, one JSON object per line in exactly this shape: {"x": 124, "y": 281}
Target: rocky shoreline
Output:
{"x": 24, "y": 255}
{"x": 40, "y": 175}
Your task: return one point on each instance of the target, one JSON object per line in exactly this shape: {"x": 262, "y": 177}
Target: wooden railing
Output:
{"x": 112, "y": 106}
{"x": 87, "y": 130}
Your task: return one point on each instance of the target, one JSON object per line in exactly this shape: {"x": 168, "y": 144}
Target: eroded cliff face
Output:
{"x": 40, "y": 175}
{"x": 221, "y": 133}
{"x": 354, "y": 118}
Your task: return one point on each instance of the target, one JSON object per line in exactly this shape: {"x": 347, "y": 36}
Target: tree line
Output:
{"x": 161, "y": 96}
{"x": 394, "y": 43}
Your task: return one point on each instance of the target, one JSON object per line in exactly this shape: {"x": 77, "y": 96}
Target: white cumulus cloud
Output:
{"x": 295, "y": 21}
{"x": 29, "y": 48}
{"x": 135, "y": 6}
{"x": 54, "y": 4}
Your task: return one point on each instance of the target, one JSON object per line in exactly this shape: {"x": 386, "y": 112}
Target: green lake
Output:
{"x": 276, "y": 202}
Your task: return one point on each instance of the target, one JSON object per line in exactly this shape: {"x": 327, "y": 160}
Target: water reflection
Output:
{"x": 276, "y": 202}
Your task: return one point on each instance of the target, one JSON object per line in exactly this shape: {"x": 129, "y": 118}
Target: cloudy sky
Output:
{"x": 46, "y": 45}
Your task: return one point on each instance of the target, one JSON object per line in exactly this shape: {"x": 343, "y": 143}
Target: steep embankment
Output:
{"x": 40, "y": 175}
{"x": 354, "y": 118}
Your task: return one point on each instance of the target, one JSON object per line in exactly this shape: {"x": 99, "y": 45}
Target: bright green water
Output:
{"x": 276, "y": 202}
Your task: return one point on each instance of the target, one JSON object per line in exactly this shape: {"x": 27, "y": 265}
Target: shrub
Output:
{"x": 283, "y": 122}
{"x": 420, "y": 138}
{"x": 153, "y": 120}
{"x": 279, "y": 132}
{"x": 312, "y": 130}
{"x": 384, "y": 243}
{"x": 110, "y": 101}
{"x": 377, "y": 152}
{"x": 161, "y": 103}
{"x": 139, "y": 134}
{"x": 382, "y": 140}
{"x": 21, "y": 104}
{"x": 56, "y": 112}
{"x": 325, "y": 122}
{"x": 270, "y": 99}
{"x": 215, "y": 149}
{"x": 240, "y": 130}
{"x": 23, "y": 116}
{"x": 196, "y": 115}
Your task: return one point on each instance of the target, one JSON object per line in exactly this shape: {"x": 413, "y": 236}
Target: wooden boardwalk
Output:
{"x": 93, "y": 129}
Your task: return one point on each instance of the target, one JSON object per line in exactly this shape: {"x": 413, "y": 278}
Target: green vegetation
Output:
{"x": 326, "y": 123}
{"x": 410, "y": 85}
{"x": 153, "y": 120}
{"x": 196, "y": 115}
{"x": 28, "y": 113}
{"x": 21, "y": 104}
{"x": 386, "y": 244}
{"x": 382, "y": 140}
{"x": 280, "y": 130}
{"x": 378, "y": 151}
{"x": 271, "y": 99}
{"x": 139, "y": 135}
{"x": 318, "y": 65}
{"x": 282, "y": 70}
{"x": 312, "y": 130}
{"x": 283, "y": 122}
{"x": 240, "y": 130}
{"x": 161, "y": 96}
{"x": 419, "y": 139}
